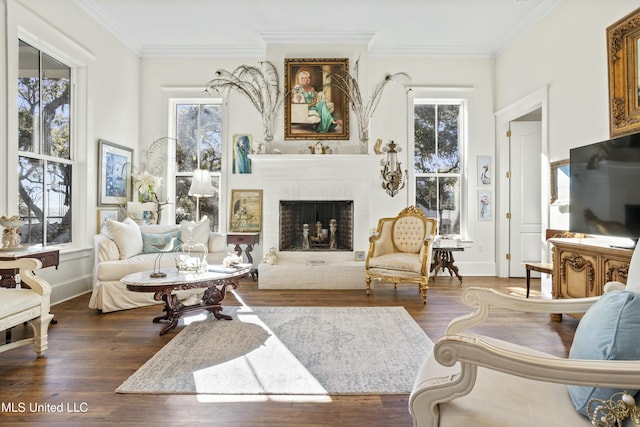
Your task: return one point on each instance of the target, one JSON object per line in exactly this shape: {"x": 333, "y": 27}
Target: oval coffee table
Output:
{"x": 215, "y": 281}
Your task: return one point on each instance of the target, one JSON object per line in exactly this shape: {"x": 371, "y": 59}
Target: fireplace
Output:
{"x": 316, "y": 225}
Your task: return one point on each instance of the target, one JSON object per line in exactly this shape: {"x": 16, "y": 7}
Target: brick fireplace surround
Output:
{"x": 291, "y": 177}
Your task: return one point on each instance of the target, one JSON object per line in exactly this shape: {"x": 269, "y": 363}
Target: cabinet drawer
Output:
{"x": 240, "y": 239}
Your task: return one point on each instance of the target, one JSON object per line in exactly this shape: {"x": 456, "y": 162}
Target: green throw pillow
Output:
{"x": 154, "y": 243}
{"x": 608, "y": 331}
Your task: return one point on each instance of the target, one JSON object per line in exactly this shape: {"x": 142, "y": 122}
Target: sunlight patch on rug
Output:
{"x": 289, "y": 351}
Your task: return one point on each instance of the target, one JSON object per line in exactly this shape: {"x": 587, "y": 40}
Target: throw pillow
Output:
{"x": 157, "y": 242}
{"x": 607, "y": 331}
{"x": 195, "y": 232}
{"x": 126, "y": 235}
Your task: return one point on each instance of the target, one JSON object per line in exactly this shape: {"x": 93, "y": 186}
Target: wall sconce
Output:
{"x": 393, "y": 179}
{"x": 201, "y": 187}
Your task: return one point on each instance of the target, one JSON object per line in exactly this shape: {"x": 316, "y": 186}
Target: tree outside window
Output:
{"x": 437, "y": 162}
{"x": 44, "y": 146}
{"x": 199, "y": 135}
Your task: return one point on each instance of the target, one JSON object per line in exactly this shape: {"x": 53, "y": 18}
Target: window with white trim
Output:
{"x": 45, "y": 161}
{"x": 437, "y": 166}
{"x": 198, "y": 133}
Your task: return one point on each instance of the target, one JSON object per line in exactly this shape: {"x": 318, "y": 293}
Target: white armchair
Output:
{"x": 475, "y": 380}
{"x": 26, "y": 305}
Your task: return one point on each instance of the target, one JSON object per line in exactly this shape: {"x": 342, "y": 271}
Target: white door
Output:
{"x": 525, "y": 227}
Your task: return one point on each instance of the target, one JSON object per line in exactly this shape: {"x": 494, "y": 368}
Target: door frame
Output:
{"x": 534, "y": 101}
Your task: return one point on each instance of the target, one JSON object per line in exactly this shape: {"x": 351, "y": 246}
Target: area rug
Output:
{"x": 289, "y": 350}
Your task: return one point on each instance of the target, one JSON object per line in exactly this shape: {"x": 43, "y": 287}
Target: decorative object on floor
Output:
{"x": 246, "y": 211}
{"x": 289, "y": 350}
{"x": 271, "y": 257}
{"x": 612, "y": 412}
{"x": 114, "y": 174}
{"x": 393, "y": 179}
{"x": 261, "y": 85}
{"x": 400, "y": 250}
{"x": 622, "y": 53}
{"x": 347, "y": 83}
{"x": 11, "y": 235}
{"x": 201, "y": 187}
{"x": 312, "y": 109}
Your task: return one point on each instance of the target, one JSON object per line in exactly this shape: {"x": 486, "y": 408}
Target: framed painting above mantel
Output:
{"x": 313, "y": 108}
{"x": 623, "y": 44}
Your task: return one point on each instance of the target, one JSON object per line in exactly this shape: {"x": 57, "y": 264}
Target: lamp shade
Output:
{"x": 201, "y": 184}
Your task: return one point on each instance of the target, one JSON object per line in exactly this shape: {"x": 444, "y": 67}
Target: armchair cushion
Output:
{"x": 608, "y": 331}
{"x": 399, "y": 261}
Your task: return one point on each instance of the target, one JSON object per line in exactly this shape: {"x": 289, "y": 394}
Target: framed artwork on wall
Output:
{"x": 623, "y": 45}
{"x": 246, "y": 211}
{"x": 485, "y": 170}
{"x": 114, "y": 173}
{"x": 241, "y": 150}
{"x": 103, "y": 216}
{"x": 313, "y": 108}
{"x": 484, "y": 205}
{"x": 559, "y": 181}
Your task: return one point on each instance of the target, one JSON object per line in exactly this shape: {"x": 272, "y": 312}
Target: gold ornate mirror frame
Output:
{"x": 623, "y": 43}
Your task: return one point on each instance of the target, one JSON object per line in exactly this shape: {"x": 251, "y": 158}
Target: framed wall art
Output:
{"x": 114, "y": 173}
{"x": 246, "y": 211}
{"x": 241, "y": 150}
{"x": 559, "y": 179}
{"x": 623, "y": 39}
{"x": 485, "y": 170}
{"x": 313, "y": 108}
{"x": 104, "y": 215}
{"x": 484, "y": 205}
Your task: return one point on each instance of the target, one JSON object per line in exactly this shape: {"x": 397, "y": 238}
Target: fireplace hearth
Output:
{"x": 312, "y": 225}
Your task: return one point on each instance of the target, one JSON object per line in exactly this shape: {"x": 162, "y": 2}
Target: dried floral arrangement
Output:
{"x": 261, "y": 85}
{"x": 347, "y": 83}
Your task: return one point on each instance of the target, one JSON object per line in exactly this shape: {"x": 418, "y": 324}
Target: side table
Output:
{"x": 247, "y": 239}
{"x": 443, "y": 259}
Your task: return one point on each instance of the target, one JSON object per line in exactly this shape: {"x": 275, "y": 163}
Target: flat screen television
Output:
{"x": 605, "y": 188}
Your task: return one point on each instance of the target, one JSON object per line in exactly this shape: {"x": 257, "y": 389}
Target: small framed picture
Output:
{"x": 114, "y": 169}
{"x": 484, "y": 205}
{"x": 241, "y": 150}
{"x": 246, "y": 211}
{"x": 360, "y": 255}
{"x": 484, "y": 170}
{"x": 103, "y": 216}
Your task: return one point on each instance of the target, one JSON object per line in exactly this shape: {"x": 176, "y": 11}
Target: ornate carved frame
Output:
{"x": 623, "y": 39}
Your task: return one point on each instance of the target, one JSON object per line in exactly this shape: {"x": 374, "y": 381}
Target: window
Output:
{"x": 44, "y": 146}
{"x": 199, "y": 146}
{"x": 437, "y": 161}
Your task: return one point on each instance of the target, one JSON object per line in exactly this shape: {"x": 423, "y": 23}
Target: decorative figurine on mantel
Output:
{"x": 11, "y": 234}
{"x": 333, "y": 225}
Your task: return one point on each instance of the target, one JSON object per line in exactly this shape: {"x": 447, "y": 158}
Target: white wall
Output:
{"x": 174, "y": 77}
{"x": 111, "y": 106}
{"x": 567, "y": 51}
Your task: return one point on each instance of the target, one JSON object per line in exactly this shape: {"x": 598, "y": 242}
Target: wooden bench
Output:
{"x": 540, "y": 267}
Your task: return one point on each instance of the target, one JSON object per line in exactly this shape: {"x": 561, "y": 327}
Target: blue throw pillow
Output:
{"x": 153, "y": 243}
{"x": 609, "y": 330}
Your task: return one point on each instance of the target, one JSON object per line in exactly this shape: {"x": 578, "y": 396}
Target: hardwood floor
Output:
{"x": 90, "y": 354}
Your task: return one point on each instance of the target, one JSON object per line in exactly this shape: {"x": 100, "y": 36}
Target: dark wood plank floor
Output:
{"x": 90, "y": 354}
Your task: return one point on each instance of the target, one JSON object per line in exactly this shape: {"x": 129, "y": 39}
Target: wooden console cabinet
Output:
{"x": 581, "y": 267}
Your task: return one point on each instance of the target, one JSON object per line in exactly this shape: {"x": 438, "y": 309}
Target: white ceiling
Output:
{"x": 478, "y": 28}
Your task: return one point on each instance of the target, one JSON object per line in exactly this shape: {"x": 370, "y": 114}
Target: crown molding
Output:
{"x": 203, "y": 51}
{"x": 335, "y": 37}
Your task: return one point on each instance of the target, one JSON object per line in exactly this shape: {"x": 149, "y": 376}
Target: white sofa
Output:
{"x": 118, "y": 253}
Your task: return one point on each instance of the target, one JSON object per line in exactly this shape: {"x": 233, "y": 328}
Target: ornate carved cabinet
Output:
{"x": 581, "y": 267}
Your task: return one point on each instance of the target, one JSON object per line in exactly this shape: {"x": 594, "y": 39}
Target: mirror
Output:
{"x": 560, "y": 182}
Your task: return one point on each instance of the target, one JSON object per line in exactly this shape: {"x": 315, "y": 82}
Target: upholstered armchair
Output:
{"x": 476, "y": 380}
{"x": 26, "y": 304}
{"x": 400, "y": 250}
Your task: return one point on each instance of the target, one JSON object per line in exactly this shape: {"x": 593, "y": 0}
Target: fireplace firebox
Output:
{"x": 311, "y": 225}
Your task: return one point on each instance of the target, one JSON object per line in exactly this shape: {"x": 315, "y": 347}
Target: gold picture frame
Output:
{"x": 245, "y": 211}
{"x": 321, "y": 112}
{"x": 559, "y": 180}
{"x": 623, "y": 44}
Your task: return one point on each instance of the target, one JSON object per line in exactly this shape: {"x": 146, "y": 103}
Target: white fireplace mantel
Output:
{"x": 350, "y": 166}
